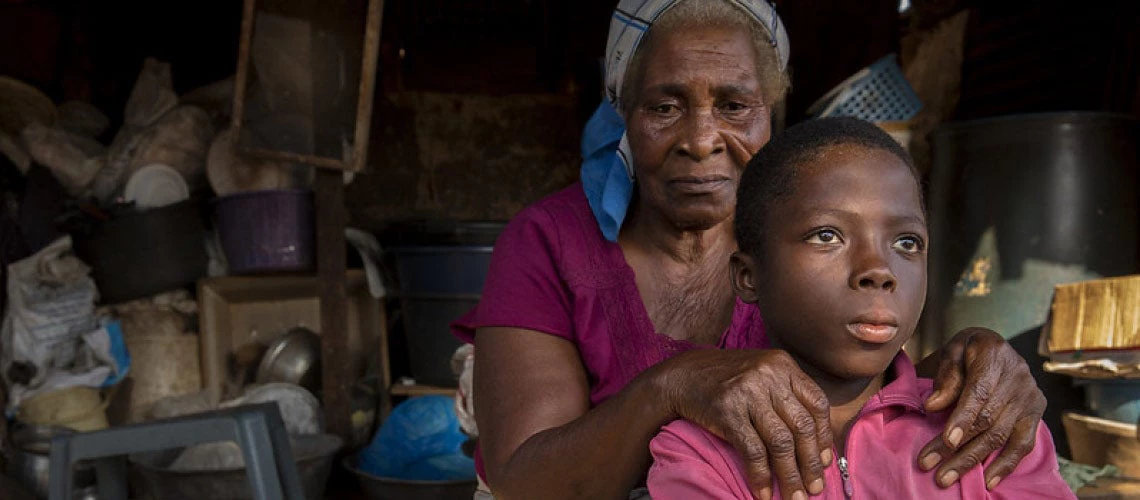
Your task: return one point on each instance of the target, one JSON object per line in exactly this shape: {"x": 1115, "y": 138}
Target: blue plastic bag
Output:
{"x": 420, "y": 440}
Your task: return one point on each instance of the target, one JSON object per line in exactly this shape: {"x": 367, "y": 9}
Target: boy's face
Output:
{"x": 842, "y": 279}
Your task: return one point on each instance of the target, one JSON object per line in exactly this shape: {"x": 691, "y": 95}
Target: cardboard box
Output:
{"x": 1098, "y": 442}
{"x": 1097, "y": 315}
{"x": 236, "y": 311}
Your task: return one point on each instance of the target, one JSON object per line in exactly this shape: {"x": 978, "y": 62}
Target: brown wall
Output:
{"x": 465, "y": 156}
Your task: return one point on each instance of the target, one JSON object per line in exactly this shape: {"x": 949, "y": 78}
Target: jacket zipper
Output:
{"x": 848, "y": 488}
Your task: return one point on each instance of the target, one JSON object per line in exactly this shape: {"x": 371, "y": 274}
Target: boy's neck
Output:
{"x": 846, "y": 397}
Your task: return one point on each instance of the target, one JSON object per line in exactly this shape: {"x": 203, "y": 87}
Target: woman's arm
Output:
{"x": 540, "y": 439}
{"x": 538, "y": 436}
{"x": 998, "y": 405}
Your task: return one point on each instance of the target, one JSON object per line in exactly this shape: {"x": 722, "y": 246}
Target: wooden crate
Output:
{"x": 1097, "y": 441}
{"x": 236, "y": 311}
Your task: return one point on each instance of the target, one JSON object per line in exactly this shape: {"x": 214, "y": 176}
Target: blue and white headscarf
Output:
{"x": 607, "y": 166}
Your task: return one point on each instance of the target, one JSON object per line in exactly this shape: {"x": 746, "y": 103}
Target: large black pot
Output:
{"x": 1059, "y": 191}
{"x": 139, "y": 254}
{"x": 1060, "y": 187}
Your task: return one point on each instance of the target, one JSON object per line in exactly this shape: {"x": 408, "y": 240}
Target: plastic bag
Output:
{"x": 50, "y": 337}
{"x": 420, "y": 440}
{"x": 73, "y": 159}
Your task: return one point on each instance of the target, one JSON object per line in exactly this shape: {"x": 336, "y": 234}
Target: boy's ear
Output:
{"x": 744, "y": 276}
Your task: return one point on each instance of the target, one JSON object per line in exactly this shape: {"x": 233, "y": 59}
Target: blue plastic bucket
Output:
{"x": 267, "y": 231}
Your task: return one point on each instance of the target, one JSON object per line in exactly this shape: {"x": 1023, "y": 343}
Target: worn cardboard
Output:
{"x": 1095, "y": 315}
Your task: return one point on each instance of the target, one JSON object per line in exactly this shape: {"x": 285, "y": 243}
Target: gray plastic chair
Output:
{"x": 257, "y": 429}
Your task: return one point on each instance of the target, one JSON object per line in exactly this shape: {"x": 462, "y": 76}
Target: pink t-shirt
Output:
{"x": 553, "y": 272}
{"x": 882, "y": 449}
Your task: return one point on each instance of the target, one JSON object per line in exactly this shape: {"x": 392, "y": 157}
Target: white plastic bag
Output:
{"x": 50, "y": 337}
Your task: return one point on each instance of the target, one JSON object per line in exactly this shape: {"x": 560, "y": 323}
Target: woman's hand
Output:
{"x": 761, "y": 403}
{"x": 998, "y": 405}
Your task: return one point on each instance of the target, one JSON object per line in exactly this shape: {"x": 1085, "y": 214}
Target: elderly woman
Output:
{"x": 608, "y": 310}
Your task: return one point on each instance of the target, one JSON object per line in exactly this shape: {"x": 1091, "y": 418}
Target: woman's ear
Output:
{"x": 744, "y": 276}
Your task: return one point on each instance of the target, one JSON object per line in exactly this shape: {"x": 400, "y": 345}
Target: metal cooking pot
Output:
{"x": 29, "y": 457}
{"x": 295, "y": 358}
{"x": 384, "y": 488}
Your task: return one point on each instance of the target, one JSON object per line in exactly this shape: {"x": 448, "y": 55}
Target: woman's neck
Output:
{"x": 653, "y": 233}
{"x": 682, "y": 276}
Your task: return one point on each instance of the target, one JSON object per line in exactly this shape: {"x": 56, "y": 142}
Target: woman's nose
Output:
{"x": 702, "y": 137}
{"x": 872, "y": 271}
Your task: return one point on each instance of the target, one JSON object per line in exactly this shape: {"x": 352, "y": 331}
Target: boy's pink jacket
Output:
{"x": 882, "y": 456}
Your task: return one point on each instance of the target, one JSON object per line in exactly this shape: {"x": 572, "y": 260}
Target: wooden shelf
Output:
{"x": 421, "y": 390}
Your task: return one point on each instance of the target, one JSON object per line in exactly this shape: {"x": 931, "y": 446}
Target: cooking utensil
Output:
{"x": 156, "y": 185}
{"x": 28, "y": 458}
{"x": 300, "y": 410}
{"x": 313, "y": 454}
{"x": 294, "y": 357}
{"x": 267, "y": 231}
{"x": 139, "y": 254}
{"x": 383, "y": 488}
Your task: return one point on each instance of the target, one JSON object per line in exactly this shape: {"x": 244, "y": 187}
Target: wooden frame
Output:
{"x": 364, "y": 102}
{"x": 331, "y": 213}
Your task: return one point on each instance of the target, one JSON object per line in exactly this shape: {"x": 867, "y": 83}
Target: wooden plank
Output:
{"x": 369, "y": 64}
{"x": 336, "y": 29}
{"x": 422, "y": 390}
{"x": 336, "y": 377}
{"x": 241, "y": 77}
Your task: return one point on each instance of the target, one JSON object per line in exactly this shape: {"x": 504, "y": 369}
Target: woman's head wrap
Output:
{"x": 607, "y": 166}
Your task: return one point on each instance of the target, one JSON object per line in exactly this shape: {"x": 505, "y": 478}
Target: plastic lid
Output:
{"x": 155, "y": 186}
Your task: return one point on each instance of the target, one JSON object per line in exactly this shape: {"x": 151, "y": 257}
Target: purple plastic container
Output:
{"x": 267, "y": 231}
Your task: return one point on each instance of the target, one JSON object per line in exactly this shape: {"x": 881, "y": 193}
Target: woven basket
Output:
{"x": 21, "y": 104}
{"x": 877, "y": 93}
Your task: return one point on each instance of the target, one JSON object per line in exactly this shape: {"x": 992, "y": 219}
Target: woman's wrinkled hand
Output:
{"x": 765, "y": 406}
{"x": 998, "y": 406}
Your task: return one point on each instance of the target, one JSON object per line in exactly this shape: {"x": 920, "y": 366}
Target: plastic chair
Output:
{"x": 257, "y": 429}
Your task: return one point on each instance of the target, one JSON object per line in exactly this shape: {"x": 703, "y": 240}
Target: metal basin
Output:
{"x": 294, "y": 357}
{"x": 28, "y": 459}
{"x": 384, "y": 488}
{"x": 313, "y": 455}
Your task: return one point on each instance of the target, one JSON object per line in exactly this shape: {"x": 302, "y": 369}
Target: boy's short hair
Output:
{"x": 770, "y": 175}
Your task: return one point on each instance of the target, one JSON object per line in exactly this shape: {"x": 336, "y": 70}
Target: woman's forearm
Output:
{"x": 538, "y": 435}
{"x": 601, "y": 454}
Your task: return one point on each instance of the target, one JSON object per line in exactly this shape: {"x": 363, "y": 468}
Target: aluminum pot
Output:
{"x": 383, "y": 488}
{"x": 295, "y": 358}
{"x": 313, "y": 455}
{"x": 29, "y": 457}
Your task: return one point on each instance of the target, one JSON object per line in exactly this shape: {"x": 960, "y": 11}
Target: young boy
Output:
{"x": 832, "y": 235}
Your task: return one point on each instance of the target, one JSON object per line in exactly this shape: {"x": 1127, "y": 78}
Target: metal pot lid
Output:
{"x": 35, "y": 438}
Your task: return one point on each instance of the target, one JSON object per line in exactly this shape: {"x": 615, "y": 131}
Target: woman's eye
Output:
{"x": 734, "y": 106}
{"x": 824, "y": 237}
{"x": 909, "y": 244}
{"x": 663, "y": 109}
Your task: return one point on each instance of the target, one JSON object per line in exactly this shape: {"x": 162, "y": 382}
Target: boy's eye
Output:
{"x": 909, "y": 244}
{"x": 824, "y": 237}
